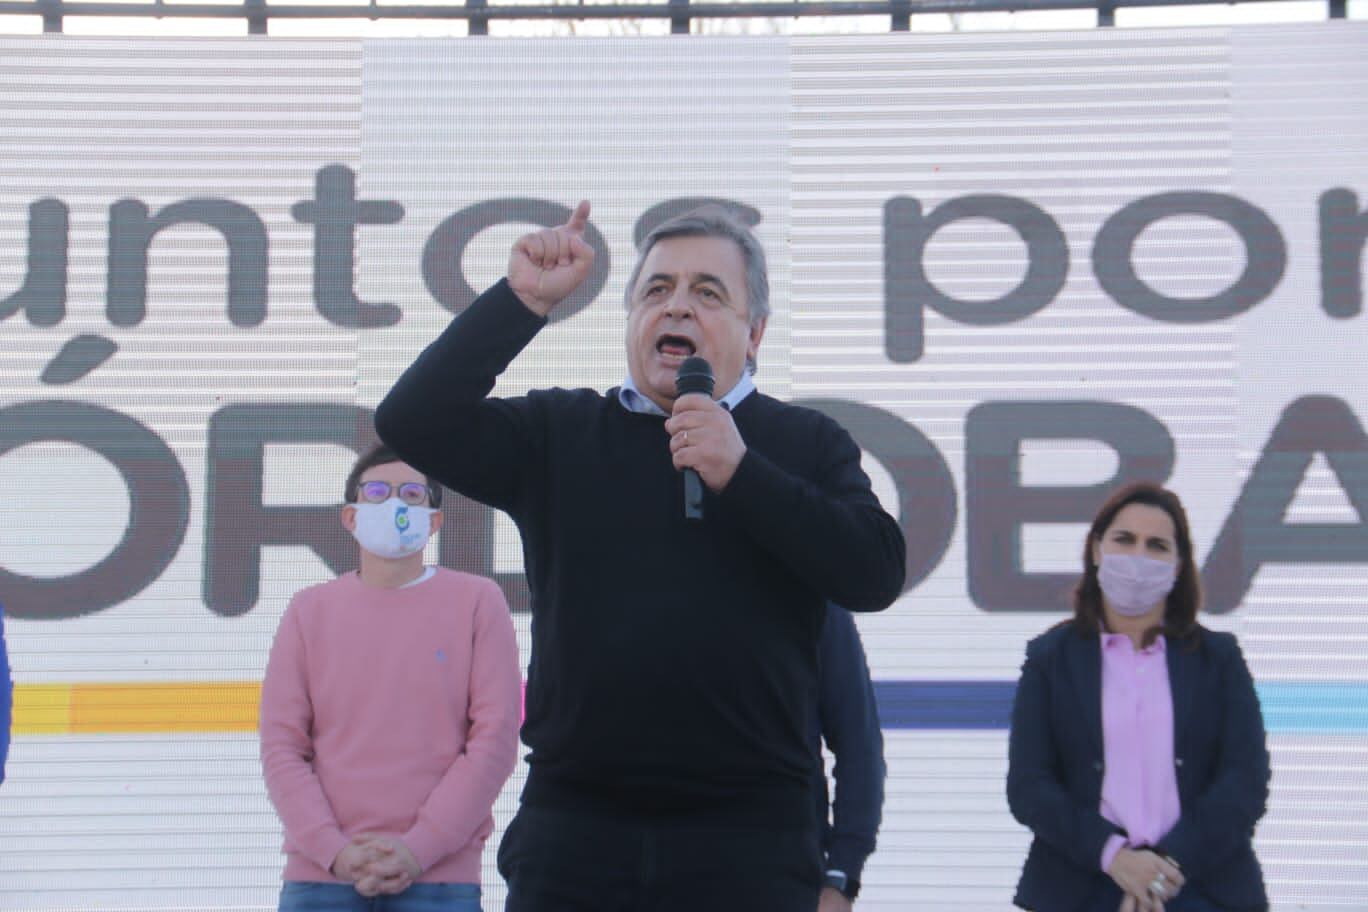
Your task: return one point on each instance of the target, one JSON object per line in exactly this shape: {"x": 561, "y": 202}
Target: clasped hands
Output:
{"x": 377, "y": 865}
{"x": 1148, "y": 879}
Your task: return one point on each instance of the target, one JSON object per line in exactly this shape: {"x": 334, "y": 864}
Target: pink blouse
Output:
{"x": 1139, "y": 784}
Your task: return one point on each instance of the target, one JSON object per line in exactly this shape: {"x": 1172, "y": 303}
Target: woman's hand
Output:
{"x": 1147, "y": 879}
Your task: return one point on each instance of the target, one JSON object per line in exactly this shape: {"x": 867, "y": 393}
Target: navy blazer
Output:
{"x": 1055, "y": 769}
{"x": 847, "y": 718}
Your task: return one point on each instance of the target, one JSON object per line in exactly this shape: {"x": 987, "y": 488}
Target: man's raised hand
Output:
{"x": 546, "y": 266}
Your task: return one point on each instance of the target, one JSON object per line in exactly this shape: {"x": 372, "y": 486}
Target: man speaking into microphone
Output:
{"x": 674, "y": 654}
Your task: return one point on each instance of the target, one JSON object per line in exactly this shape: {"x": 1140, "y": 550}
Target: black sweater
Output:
{"x": 673, "y": 665}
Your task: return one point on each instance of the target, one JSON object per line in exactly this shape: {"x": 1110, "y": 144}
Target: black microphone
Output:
{"x": 695, "y": 376}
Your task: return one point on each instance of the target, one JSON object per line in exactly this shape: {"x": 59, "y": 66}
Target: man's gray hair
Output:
{"x": 717, "y": 221}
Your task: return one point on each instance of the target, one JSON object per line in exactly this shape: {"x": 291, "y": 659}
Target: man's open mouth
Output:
{"x": 675, "y": 346}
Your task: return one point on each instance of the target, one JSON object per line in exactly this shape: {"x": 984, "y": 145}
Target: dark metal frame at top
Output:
{"x": 680, "y": 12}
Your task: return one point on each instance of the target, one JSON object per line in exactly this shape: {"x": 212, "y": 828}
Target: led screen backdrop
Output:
{"x": 1019, "y": 267}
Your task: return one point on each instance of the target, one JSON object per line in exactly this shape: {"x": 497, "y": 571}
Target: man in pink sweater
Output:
{"x": 389, "y": 714}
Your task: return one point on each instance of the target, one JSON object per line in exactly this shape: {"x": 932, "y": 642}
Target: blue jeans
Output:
{"x": 309, "y": 896}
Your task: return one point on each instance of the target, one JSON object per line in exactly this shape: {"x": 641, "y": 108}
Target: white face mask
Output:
{"x": 1134, "y": 584}
{"x": 393, "y": 528}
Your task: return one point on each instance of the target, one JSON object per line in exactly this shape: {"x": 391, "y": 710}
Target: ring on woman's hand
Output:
{"x": 1157, "y": 885}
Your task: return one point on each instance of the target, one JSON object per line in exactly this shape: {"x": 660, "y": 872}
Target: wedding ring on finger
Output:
{"x": 686, "y": 438}
{"x": 1157, "y": 885}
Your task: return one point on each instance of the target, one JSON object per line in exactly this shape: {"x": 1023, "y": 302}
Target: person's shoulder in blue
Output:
{"x": 848, "y": 721}
{"x": 6, "y": 697}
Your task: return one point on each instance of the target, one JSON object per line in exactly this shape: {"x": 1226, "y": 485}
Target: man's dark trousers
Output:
{"x": 561, "y": 861}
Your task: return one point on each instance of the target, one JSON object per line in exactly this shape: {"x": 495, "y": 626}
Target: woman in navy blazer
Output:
{"x": 1071, "y": 720}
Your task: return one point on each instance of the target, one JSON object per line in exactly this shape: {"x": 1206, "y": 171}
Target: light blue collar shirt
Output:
{"x": 633, "y": 400}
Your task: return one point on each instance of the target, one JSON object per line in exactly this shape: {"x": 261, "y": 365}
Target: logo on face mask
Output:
{"x": 392, "y": 529}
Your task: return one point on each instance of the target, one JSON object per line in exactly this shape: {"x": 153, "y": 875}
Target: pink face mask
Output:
{"x": 1134, "y": 584}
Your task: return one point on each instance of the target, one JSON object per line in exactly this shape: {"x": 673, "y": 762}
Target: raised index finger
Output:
{"x": 579, "y": 218}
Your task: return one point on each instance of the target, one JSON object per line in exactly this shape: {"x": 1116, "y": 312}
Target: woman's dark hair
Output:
{"x": 1184, "y": 600}
{"x": 382, "y": 455}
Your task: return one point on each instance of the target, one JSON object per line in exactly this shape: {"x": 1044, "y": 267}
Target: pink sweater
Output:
{"x": 391, "y": 711}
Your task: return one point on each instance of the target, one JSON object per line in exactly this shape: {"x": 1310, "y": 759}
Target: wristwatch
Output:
{"x": 848, "y": 887}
